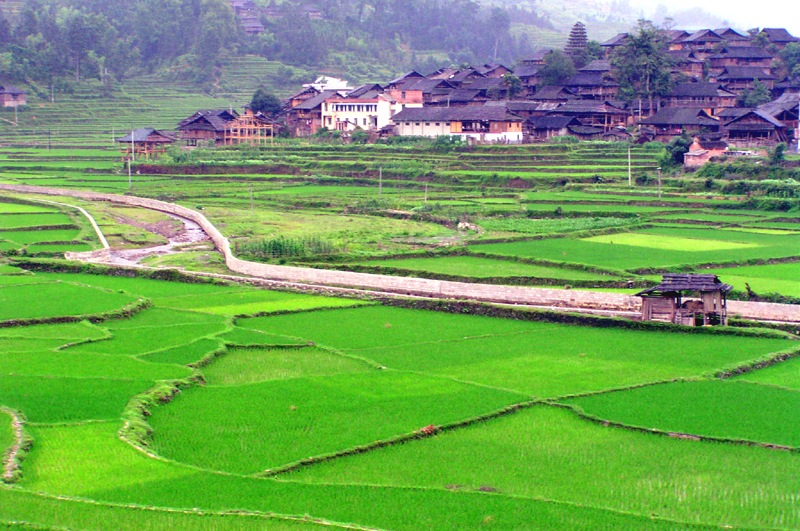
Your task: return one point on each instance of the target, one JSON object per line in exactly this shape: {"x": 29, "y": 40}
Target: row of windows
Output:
{"x": 428, "y": 123}
{"x": 339, "y": 107}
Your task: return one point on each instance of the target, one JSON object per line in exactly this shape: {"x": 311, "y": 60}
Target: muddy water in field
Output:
{"x": 189, "y": 233}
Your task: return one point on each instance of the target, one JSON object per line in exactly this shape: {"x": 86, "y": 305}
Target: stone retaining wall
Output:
{"x": 409, "y": 285}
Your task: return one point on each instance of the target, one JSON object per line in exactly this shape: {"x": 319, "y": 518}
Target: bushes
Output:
{"x": 283, "y": 247}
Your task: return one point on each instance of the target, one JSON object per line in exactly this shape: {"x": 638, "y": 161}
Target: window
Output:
{"x": 437, "y": 123}
{"x": 416, "y": 123}
{"x": 427, "y": 123}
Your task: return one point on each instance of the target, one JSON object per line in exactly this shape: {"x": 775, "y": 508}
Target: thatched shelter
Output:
{"x": 671, "y": 301}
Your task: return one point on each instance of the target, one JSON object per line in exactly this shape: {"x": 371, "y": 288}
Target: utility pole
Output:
{"x": 659, "y": 182}
{"x": 630, "y": 176}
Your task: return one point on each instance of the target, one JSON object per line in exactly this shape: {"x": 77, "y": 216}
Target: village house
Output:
{"x": 11, "y": 96}
{"x": 486, "y": 123}
{"x": 349, "y": 114}
{"x": 710, "y": 97}
{"x": 685, "y": 63}
{"x": 252, "y": 128}
{"x": 740, "y": 56}
{"x": 754, "y": 128}
{"x": 670, "y": 301}
{"x": 206, "y": 126}
{"x": 670, "y": 122}
{"x": 740, "y": 78}
{"x": 596, "y": 113}
{"x": 144, "y": 143}
{"x": 540, "y": 128}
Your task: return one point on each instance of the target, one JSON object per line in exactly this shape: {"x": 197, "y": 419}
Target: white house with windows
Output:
{"x": 349, "y": 114}
{"x": 485, "y": 123}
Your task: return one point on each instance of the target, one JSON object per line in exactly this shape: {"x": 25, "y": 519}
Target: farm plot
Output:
{"x": 772, "y": 278}
{"x": 34, "y": 221}
{"x": 241, "y": 302}
{"x": 89, "y": 461}
{"x": 550, "y": 453}
{"x": 50, "y": 300}
{"x": 785, "y": 374}
{"x": 154, "y": 330}
{"x": 653, "y": 248}
{"x": 481, "y": 267}
{"x": 541, "y": 359}
{"x": 240, "y": 366}
{"x": 709, "y": 408}
{"x": 249, "y": 428}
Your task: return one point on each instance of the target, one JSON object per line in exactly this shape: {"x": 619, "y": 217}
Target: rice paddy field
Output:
{"x": 221, "y": 405}
{"x": 133, "y": 403}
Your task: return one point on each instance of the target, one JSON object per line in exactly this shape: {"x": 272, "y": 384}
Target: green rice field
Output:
{"x": 206, "y": 404}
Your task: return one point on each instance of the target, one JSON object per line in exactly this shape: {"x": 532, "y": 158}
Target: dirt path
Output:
{"x": 556, "y": 299}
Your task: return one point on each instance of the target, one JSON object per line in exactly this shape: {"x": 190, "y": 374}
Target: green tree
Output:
{"x": 790, "y": 59}
{"x": 265, "y": 103}
{"x": 642, "y": 66}
{"x": 512, "y": 84}
{"x": 558, "y": 68}
{"x": 754, "y": 97}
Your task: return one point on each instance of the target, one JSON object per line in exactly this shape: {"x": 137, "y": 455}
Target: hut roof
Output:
{"x": 10, "y": 89}
{"x": 678, "y": 282}
{"x": 677, "y": 116}
{"x": 216, "y": 118}
{"x": 146, "y": 135}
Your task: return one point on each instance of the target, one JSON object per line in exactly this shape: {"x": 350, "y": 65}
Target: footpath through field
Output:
{"x": 567, "y": 300}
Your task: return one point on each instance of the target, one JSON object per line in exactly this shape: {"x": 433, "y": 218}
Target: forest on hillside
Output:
{"x": 56, "y": 42}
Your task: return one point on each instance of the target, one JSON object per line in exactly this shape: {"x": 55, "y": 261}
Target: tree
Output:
{"x": 642, "y": 66}
{"x": 755, "y": 97}
{"x": 558, "y": 68}
{"x": 265, "y": 103}
{"x": 512, "y": 84}
{"x": 790, "y": 59}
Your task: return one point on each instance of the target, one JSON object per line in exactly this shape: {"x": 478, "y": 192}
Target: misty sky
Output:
{"x": 743, "y": 14}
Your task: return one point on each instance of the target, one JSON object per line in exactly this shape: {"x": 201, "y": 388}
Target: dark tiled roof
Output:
{"x": 552, "y": 92}
{"x": 616, "y": 40}
{"x": 427, "y": 86}
{"x": 703, "y": 35}
{"x": 730, "y": 34}
{"x": 675, "y": 35}
{"x": 482, "y": 83}
{"x": 786, "y": 102}
{"x": 773, "y": 123}
{"x": 369, "y": 90}
{"x": 586, "y": 130}
{"x": 587, "y": 107}
{"x": 406, "y": 77}
{"x": 676, "y": 116}
{"x": 527, "y": 71}
{"x": 463, "y": 95}
{"x": 10, "y": 89}
{"x": 141, "y": 135}
{"x": 674, "y": 282}
{"x": 744, "y": 72}
{"x": 598, "y": 65}
{"x": 590, "y": 79}
{"x": 316, "y": 101}
{"x": 743, "y": 52}
{"x": 696, "y": 90}
{"x": 496, "y": 113}
{"x": 779, "y": 35}
{"x": 732, "y": 112}
{"x": 552, "y": 122}
{"x": 216, "y": 118}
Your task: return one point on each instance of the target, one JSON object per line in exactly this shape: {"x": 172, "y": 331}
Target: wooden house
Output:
{"x": 250, "y": 128}
{"x": 754, "y": 128}
{"x": 594, "y": 113}
{"x": 732, "y": 36}
{"x": 741, "y": 56}
{"x": 620, "y": 39}
{"x": 670, "y": 122}
{"x": 207, "y": 126}
{"x": 546, "y": 127}
{"x": 485, "y": 123}
{"x": 305, "y": 118}
{"x": 670, "y": 300}
{"x": 685, "y": 63}
{"x": 710, "y": 97}
{"x": 779, "y": 37}
{"x": 702, "y": 42}
{"x": 740, "y": 78}
{"x": 593, "y": 84}
{"x": 144, "y": 143}
{"x": 785, "y": 109}
{"x": 11, "y": 96}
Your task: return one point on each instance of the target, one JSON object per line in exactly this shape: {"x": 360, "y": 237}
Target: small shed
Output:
{"x": 145, "y": 143}
{"x": 687, "y": 299}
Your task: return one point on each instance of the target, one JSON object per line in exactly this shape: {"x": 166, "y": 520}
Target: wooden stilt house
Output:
{"x": 145, "y": 143}
{"x": 686, "y": 299}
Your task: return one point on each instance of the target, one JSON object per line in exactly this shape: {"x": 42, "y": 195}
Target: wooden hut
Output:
{"x": 670, "y": 300}
{"x": 146, "y": 143}
{"x": 206, "y": 126}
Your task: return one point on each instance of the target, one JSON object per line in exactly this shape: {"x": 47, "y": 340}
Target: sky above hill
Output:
{"x": 741, "y": 14}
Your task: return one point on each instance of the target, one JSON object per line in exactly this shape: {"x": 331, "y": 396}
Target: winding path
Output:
{"x": 573, "y": 300}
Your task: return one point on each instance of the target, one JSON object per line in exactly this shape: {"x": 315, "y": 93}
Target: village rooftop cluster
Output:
{"x": 494, "y": 103}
